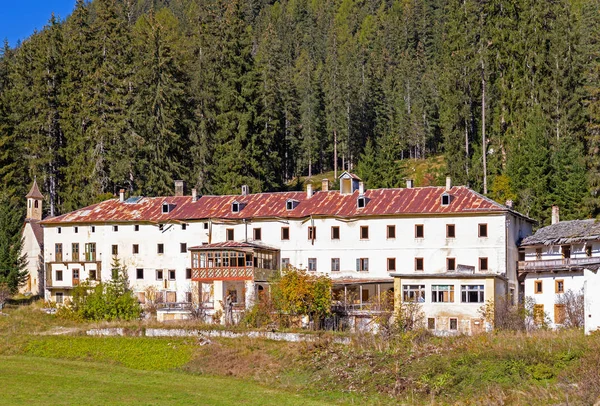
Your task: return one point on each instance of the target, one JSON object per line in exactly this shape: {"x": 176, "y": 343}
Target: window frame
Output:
{"x": 455, "y": 320}
{"x": 560, "y": 309}
{"x": 451, "y": 264}
{"x": 229, "y": 237}
{"x": 482, "y": 227}
{"x": 362, "y": 264}
{"x": 487, "y": 264}
{"x": 390, "y": 235}
{"x": 160, "y": 248}
{"x": 257, "y": 232}
{"x": 59, "y": 275}
{"x": 419, "y": 231}
{"x": 391, "y": 264}
{"x": 337, "y": 262}
{"x": 183, "y": 247}
{"x": 312, "y": 233}
{"x": 135, "y": 249}
{"x": 422, "y": 261}
{"x": 335, "y": 230}
{"x": 139, "y": 273}
{"x": 285, "y": 233}
{"x": 136, "y": 227}
{"x": 188, "y": 273}
{"x": 538, "y": 283}
{"x": 172, "y": 274}
{"x": 115, "y": 228}
{"x": 465, "y": 291}
{"x": 364, "y": 232}
{"x": 416, "y": 291}
{"x": 159, "y": 274}
{"x": 438, "y": 294}
{"x": 114, "y": 249}
{"x": 556, "y": 286}
{"x": 450, "y": 230}
{"x": 312, "y": 263}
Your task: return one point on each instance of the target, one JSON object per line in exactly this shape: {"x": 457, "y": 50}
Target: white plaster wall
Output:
{"x": 573, "y": 281}
{"x": 32, "y": 250}
{"x": 592, "y": 301}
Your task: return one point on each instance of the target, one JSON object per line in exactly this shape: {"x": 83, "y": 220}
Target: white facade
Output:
{"x": 33, "y": 252}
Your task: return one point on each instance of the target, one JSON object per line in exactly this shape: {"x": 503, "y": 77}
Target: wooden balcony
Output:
{"x": 564, "y": 264}
{"x": 246, "y": 273}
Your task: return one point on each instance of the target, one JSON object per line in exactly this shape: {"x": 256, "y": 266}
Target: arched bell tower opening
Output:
{"x": 34, "y": 202}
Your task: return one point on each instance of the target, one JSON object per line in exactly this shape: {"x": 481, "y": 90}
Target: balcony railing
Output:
{"x": 557, "y": 264}
{"x": 232, "y": 273}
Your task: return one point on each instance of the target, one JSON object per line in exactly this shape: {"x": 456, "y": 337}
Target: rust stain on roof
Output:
{"x": 379, "y": 202}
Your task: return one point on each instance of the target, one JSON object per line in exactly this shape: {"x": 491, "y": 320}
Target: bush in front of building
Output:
{"x": 111, "y": 300}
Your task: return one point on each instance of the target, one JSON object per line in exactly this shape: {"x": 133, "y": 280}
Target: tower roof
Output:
{"x": 34, "y": 192}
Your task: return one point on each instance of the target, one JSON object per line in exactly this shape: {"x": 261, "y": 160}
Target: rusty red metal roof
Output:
{"x": 379, "y": 202}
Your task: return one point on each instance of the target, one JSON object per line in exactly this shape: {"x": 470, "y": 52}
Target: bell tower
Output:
{"x": 34, "y": 202}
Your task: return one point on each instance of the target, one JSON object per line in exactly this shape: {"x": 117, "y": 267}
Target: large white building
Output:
{"x": 562, "y": 257}
{"x": 427, "y": 238}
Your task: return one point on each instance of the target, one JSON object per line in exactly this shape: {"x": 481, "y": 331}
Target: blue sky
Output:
{"x": 19, "y": 18}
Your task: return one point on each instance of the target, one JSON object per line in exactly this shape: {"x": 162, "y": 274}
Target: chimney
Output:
{"x": 448, "y": 183}
{"x": 309, "y": 191}
{"x": 361, "y": 188}
{"x": 245, "y": 190}
{"x": 122, "y": 195}
{"x": 194, "y": 195}
{"x": 178, "y": 188}
{"x": 325, "y": 185}
{"x": 509, "y": 203}
{"x": 409, "y": 183}
{"x": 555, "y": 215}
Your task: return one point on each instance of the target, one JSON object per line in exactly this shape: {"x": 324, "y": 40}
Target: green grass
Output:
{"x": 152, "y": 354}
{"x": 37, "y": 381}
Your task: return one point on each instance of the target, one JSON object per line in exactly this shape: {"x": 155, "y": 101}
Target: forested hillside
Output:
{"x": 134, "y": 94}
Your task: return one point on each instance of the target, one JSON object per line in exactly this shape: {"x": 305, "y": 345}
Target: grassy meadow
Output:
{"x": 545, "y": 367}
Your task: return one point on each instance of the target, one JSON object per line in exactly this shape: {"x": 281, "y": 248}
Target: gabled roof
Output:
{"x": 38, "y": 231}
{"x": 565, "y": 232}
{"x": 34, "y": 192}
{"x": 382, "y": 202}
{"x": 351, "y": 175}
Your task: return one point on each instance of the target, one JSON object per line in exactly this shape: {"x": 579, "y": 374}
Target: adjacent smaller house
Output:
{"x": 559, "y": 258}
{"x": 33, "y": 241}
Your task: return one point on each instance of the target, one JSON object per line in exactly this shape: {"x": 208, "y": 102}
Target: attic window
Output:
{"x": 290, "y": 204}
{"x": 235, "y": 207}
{"x": 166, "y": 208}
{"x": 445, "y": 199}
{"x": 361, "y": 202}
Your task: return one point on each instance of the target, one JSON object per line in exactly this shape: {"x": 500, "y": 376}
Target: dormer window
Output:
{"x": 361, "y": 202}
{"x": 291, "y": 204}
{"x": 235, "y": 207}
{"x": 166, "y": 208}
{"x": 445, "y": 199}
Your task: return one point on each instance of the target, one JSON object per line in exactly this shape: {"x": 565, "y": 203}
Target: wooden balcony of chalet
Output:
{"x": 563, "y": 264}
{"x": 233, "y": 261}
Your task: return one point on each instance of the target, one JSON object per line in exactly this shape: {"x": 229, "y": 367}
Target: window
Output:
{"x": 413, "y": 293}
{"x": 335, "y": 233}
{"x": 285, "y": 262}
{"x": 391, "y": 264}
{"x": 285, "y": 233}
{"x": 559, "y": 286}
{"x": 538, "y": 253}
{"x": 362, "y": 264}
{"x": 453, "y": 323}
{"x": 205, "y": 225}
{"x": 312, "y": 233}
{"x": 184, "y": 226}
{"x": 588, "y": 251}
{"x": 165, "y": 208}
{"x": 161, "y": 227}
{"x": 419, "y": 231}
{"x": 538, "y": 314}
{"x": 36, "y": 204}
{"x": 75, "y": 251}
{"x": 537, "y": 287}
{"x": 58, "y": 252}
{"x": 135, "y": 249}
{"x": 566, "y": 251}
{"x": 188, "y": 297}
{"x": 115, "y": 250}
{"x": 445, "y": 199}
{"x": 472, "y": 293}
{"x": 450, "y": 231}
{"x": 364, "y": 232}
{"x": 188, "y": 273}
{"x": 235, "y": 207}
{"x": 257, "y": 234}
{"x": 115, "y": 228}
{"x": 361, "y": 202}
{"x": 312, "y": 264}
{"x": 93, "y": 229}
{"x": 483, "y": 264}
{"x": 136, "y": 227}
{"x": 59, "y": 230}
{"x": 451, "y": 264}
{"x": 160, "y": 248}
{"x": 483, "y": 230}
{"x": 559, "y": 314}
{"x": 139, "y": 273}
{"x": 59, "y": 296}
{"x": 442, "y": 293}
{"x": 335, "y": 264}
{"x": 419, "y": 264}
{"x": 76, "y": 230}
{"x": 431, "y": 323}
{"x": 93, "y": 274}
{"x": 229, "y": 234}
{"x": 59, "y": 275}
{"x": 90, "y": 251}
{"x": 171, "y": 274}
{"x": 391, "y": 232}
{"x": 159, "y": 274}
{"x": 291, "y": 204}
